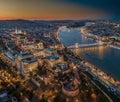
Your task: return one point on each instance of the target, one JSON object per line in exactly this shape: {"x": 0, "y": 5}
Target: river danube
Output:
{"x": 103, "y": 57}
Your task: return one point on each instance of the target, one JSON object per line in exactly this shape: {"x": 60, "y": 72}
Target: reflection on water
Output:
{"x": 72, "y": 37}
{"x": 103, "y": 57}
{"x": 100, "y": 50}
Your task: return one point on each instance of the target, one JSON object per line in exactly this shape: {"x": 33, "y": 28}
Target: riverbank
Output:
{"x": 86, "y": 33}
{"x": 107, "y": 56}
{"x": 105, "y": 79}
{"x": 58, "y": 31}
{"x": 115, "y": 47}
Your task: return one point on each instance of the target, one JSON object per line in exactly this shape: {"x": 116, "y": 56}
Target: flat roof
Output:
{"x": 29, "y": 60}
{"x": 22, "y": 54}
{"x": 52, "y": 57}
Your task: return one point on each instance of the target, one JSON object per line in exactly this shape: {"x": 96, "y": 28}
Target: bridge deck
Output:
{"x": 86, "y": 45}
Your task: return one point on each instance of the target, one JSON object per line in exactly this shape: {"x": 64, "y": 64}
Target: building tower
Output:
{"x": 16, "y": 30}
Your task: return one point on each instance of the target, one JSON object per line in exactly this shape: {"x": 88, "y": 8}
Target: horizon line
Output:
{"x": 57, "y": 19}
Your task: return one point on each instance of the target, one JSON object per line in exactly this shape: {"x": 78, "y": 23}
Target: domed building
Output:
{"x": 71, "y": 88}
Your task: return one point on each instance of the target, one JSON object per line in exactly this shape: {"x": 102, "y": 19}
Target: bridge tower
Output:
{"x": 76, "y": 45}
{"x": 100, "y": 42}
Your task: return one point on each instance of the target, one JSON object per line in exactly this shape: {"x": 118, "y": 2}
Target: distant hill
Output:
{"x": 17, "y": 21}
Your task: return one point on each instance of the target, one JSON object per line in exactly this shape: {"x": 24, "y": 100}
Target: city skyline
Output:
{"x": 57, "y": 9}
{"x": 59, "y": 50}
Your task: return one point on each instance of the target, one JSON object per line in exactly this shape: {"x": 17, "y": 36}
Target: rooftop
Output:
{"x": 61, "y": 67}
{"x": 50, "y": 49}
{"x": 23, "y": 54}
{"x": 52, "y": 57}
{"x": 29, "y": 60}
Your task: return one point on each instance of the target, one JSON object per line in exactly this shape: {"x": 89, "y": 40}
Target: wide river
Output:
{"x": 105, "y": 58}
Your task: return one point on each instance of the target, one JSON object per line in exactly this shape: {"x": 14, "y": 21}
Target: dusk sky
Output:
{"x": 59, "y": 9}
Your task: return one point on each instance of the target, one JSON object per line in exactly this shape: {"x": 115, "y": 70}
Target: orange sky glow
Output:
{"x": 40, "y": 9}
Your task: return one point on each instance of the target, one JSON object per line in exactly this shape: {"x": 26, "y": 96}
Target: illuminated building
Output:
{"x": 10, "y": 57}
{"x": 71, "y": 88}
{"x": 53, "y": 59}
{"x": 26, "y": 63}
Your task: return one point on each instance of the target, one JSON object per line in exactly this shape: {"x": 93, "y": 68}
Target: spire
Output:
{"x": 16, "y": 30}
